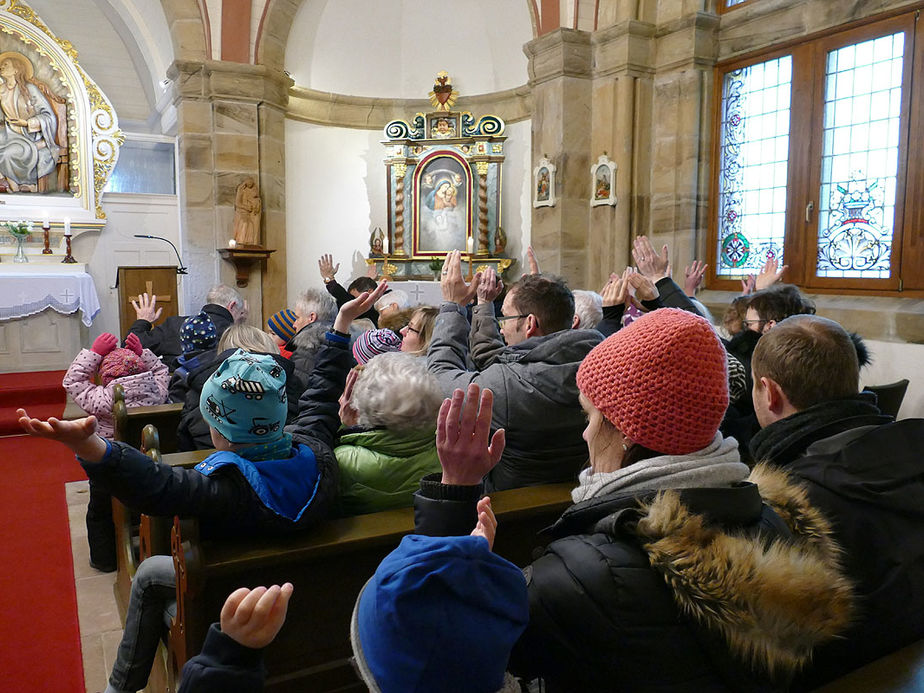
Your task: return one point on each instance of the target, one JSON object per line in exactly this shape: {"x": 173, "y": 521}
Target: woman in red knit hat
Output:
{"x": 677, "y": 568}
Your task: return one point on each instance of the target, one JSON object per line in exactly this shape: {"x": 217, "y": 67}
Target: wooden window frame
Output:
{"x": 809, "y": 56}
{"x": 722, "y": 6}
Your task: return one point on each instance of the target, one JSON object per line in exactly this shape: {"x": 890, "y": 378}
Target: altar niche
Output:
{"x": 443, "y": 172}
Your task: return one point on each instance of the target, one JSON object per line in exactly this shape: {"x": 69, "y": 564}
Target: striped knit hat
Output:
{"x": 198, "y": 333}
{"x": 374, "y": 342}
{"x": 662, "y": 381}
{"x": 282, "y": 323}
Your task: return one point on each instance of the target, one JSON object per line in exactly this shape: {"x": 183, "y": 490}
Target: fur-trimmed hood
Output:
{"x": 772, "y": 600}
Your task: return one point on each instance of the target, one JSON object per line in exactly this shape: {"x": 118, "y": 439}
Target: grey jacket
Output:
{"x": 535, "y": 392}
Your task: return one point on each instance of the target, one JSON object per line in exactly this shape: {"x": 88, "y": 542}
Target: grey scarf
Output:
{"x": 718, "y": 464}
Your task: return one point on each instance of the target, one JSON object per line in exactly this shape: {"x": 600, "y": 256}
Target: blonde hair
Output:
{"x": 248, "y": 338}
{"x": 395, "y": 390}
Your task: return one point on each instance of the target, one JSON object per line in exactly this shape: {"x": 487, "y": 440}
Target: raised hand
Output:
{"x": 770, "y": 274}
{"x": 487, "y": 522}
{"x": 350, "y": 310}
{"x": 254, "y": 617}
{"x": 533, "y": 262}
{"x": 653, "y": 265}
{"x": 326, "y": 265}
{"x": 146, "y": 308}
{"x": 747, "y": 285}
{"x": 693, "y": 277}
{"x": 371, "y": 271}
{"x": 453, "y": 286}
{"x": 490, "y": 287}
{"x": 348, "y": 414}
{"x": 463, "y": 430}
{"x": 645, "y": 289}
{"x": 105, "y": 343}
{"x": 132, "y": 343}
{"x": 615, "y": 291}
{"x": 79, "y": 435}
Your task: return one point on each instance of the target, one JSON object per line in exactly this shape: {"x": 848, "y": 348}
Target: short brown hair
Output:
{"x": 780, "y": 301}
{"x": 812, "y": 359}
{"x": 546, "y": 297}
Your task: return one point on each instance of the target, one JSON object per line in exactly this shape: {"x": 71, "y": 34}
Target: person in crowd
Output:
{"x": 588, "y": 309}
{"x": 263, "y": 478}
{"x": 144, "y": 380}
{"x": 388, "y": 409}
{"x": 281, "y": 326}
{"x": 199, "y": 340}
{"x": 223, "y": 305}
{"x": 861, "y": 469}
{"x": 357, "y": 286}
{"x": 315, "y": 310}
{"x": 532, "y": 374}
{"x": 392, "y": 302}
{"x": 417, "y": 333}
{"x": 675, "y": 569}
{"x": 693, "y": 277}
{"x": 374, "y": 342}
{"x": 396, "y": 320}
{"x": 193, "y": 431}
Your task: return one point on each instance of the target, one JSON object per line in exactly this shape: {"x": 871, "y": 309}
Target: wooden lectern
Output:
{"x": 133, "y": 281}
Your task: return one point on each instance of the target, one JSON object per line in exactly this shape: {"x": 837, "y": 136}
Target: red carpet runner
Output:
{"x": 39, "y": 631}
{"x": 40, "y": 393}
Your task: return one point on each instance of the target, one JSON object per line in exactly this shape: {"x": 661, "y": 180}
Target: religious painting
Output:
{"x": 34, "y": 150}
{"x": 443, "y": 126}
{"x": 544, "y": 184}
{"x": 442, "y": 194}
{"x": 603, "y": 181}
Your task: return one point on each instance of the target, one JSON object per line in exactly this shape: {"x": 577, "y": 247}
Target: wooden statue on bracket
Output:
{"x": 247, "y": 212}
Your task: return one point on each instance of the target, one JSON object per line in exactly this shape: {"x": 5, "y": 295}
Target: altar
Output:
{"x": 45, "y": 312}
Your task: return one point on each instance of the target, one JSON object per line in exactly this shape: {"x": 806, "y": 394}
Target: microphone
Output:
{"x": 179, "y": 270}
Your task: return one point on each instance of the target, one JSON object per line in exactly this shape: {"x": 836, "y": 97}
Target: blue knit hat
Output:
{"x": 198, "y": 333}
{"x": 374, "y": 342}
{"x": 440, "y": 614}
{"x": 245, "y": 399}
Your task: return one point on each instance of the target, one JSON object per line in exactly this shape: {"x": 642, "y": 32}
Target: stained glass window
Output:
{"x": 754, "y": 156}
{"x": 859, "y": 171}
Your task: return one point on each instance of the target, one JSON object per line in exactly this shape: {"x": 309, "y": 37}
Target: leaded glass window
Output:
{"x": 859, "y": 171}
{"x": 754, "y": 155}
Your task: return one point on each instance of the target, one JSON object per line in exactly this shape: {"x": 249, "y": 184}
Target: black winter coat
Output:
{"x": 164, "y": 340}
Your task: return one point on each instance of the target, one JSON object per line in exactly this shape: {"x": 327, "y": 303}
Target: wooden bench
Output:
{"x": 898, "y": 672}
{"x": 328, "y": 567}
{"x": 129, "y": 422}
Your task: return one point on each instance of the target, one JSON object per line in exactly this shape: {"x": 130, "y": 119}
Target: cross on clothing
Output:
{"x": 149, "y": 289}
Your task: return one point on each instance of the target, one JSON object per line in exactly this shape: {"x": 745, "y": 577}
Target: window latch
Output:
{"x": 808, "y": 211}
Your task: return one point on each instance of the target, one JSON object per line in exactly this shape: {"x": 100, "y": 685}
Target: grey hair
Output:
{"x": 393, "y": 296}
{"x": 395, "y": 390}
{"x": 248, "y": 338}
{"x": 317, "y": 301}
{"x": 588, "y": 306}
{"x": 223, "y": 295}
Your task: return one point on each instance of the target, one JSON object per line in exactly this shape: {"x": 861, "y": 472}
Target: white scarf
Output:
{"x": 718, "y": 464}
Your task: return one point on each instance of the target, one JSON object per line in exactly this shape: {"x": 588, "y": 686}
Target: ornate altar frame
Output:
{"x": 443, "y": 188}
{"x": 94, "y": 137}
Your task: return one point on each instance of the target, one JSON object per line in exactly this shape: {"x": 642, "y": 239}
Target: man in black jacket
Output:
{"x": 861, "y": 469}
{"x": 223, "y": 305}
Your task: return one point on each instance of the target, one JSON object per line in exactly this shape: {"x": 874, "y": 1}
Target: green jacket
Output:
{"x": 381, "y": 469}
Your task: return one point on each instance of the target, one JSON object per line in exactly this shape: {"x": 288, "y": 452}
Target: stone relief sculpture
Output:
{"x": 247, "y": 211}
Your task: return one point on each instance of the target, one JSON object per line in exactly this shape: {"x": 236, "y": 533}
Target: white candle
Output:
{"x": 385, "y": 244}
{"x": 232, "y": 243}
{"x": 470, "y": 243}
{"x": 46, "y": 222}
{"x": 67, "y": 226}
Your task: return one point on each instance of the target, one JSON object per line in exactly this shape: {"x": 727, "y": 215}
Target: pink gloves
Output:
{"x": 105, "y": 343}
{"x": 133, "y": 343}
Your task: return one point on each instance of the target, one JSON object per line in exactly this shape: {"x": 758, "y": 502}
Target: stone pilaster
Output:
{"x": 230, "y": 127}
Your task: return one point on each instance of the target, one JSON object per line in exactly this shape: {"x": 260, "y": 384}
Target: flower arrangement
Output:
{"x": 436, "y": 264}
{"x": 19, "y": 229}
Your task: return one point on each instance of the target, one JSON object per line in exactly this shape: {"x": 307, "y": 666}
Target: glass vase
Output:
{"x": 20, "y": 251}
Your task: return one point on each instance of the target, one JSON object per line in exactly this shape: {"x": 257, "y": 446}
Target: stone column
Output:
{"x": 230, "y": 126}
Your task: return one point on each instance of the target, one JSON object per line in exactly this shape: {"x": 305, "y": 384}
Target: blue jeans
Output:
{"x": 151, "y": 606}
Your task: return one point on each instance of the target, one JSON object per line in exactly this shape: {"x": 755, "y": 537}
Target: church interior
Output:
{"x": 181, "y": 144}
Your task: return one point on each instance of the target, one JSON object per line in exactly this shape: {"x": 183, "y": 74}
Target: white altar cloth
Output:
{"x": 27, "y": 292}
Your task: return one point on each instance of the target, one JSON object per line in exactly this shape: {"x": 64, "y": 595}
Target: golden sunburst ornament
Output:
{"x": 443, "y": 97}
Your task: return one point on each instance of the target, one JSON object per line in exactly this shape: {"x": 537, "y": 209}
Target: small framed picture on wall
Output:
{"x": 544, "y": 183}
{"x": 603, "y": 182}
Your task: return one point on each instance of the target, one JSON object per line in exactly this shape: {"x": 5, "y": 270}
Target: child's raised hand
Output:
{"x": 79, "y": 435}
{"x": 133, "y": 343}
{"x": 105, "y": 343}
{"x": 487, "y": 522}
{"x": 254, "y": 617}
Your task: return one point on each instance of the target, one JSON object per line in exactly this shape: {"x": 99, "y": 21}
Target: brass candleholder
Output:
{"x": 47, "y": 249}
{"x": 68, "y": 259}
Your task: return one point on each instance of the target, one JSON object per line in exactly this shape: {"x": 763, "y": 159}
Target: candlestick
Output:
{"x": 45, "y": 227}
{"x": 68, "y": 259}
{"x": 67, "y": 226}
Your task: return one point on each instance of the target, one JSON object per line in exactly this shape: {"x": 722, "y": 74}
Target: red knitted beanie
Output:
{"x": 662, "y": 381}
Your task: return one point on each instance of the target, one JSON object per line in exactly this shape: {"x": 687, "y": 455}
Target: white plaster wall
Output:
{"x": 893, "y": 361}
{"x": 396, "y": 47}
{"x": 335, "y": 196}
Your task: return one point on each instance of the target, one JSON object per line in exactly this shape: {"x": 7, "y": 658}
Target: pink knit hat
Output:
{"x": 662, "y": 381}
{"x": 119, "y": 363}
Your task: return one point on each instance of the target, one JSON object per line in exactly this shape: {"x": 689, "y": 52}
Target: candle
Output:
{"x": 67, "y": 226}
{"x": 470, "y": 243}
{"x": 385, "y": 244}
{"x": 232, "y": 243}
{"x": 46, "y": 222}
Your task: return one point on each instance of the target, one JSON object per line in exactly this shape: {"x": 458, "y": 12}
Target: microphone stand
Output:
{"x": 179, "y": 270}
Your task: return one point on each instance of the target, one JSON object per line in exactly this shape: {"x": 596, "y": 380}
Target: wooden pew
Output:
{"x": 898, "y": 672}
{"x": 130, "y": 421}
{"x": 328, "y": 567}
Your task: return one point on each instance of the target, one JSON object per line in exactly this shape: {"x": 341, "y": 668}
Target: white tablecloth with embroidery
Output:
{"x": 27, "y": 293}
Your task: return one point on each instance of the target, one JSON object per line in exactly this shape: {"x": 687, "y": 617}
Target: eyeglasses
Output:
{"x": 503, "y": 318}
{"x": 413, "y": 329}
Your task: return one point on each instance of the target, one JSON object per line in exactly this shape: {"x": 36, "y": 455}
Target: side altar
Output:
{"x": 443, "y": 172}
